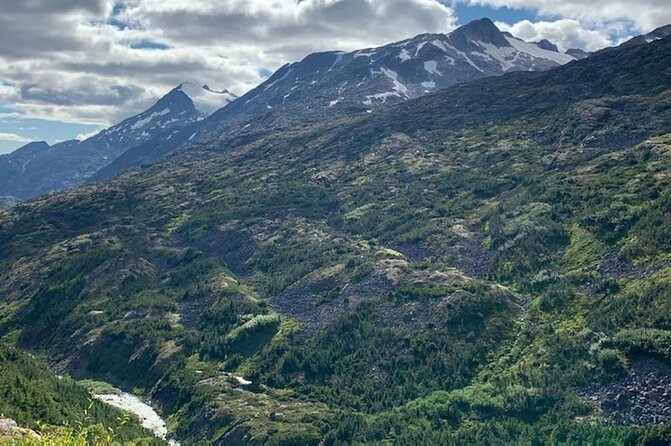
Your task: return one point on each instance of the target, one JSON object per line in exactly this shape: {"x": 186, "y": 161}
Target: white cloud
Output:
{"x": 643, "y": 15}
{"x": 71, "y": 60}
{"x": 85, "y": 136}
{"x": 565, "y": 33}
{"x": 13, "y": 137}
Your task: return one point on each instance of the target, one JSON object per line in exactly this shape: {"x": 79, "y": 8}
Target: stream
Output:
{"x": 147, "y": 415}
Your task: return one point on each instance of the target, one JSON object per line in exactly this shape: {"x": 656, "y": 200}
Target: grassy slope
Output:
{"x": 57, "y": 407}
{"x": 453, "y": 269}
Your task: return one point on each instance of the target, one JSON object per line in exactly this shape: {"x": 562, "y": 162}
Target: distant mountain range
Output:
{"x": 37, "y": 168}
{"x": 337, "y": 83}
{"x": 321, "y": 85}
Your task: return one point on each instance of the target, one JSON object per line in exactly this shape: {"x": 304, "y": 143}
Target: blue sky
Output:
{"x": 114, "y": 58}
{"x": 38, "y": 130}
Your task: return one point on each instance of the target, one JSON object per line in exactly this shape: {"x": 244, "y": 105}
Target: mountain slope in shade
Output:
{"x": 577, "y": 53}
{"x": 655, "y": 34}
{"x": 37, "y": 168}
{"x": 338, "y": 83}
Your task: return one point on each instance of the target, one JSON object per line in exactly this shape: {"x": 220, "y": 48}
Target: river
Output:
{"x": 147, "y": 415}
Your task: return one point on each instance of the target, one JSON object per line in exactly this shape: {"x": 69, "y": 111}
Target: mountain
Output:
{"x": 37, "y": 168}
{"x": 369, "y": 78}
{"x": 547, "y": 45}
{"x": 230, "y": 96}
{"x": 337, "y": 83}
{"x": 207, "y": 99}
{"x": 7, "y": 202}
{"x": 577, "y": 53}
{"x": 656, "y": 34}
{"x": 488, "y": 264}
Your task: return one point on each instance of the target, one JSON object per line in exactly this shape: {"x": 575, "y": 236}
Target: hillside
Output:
{"x": 487, "y": 264}
{"x": 57, "y": 407}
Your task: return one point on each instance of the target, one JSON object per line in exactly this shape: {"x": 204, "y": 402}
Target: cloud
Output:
{"x": 565, "y": 33}
{"x": 642, "y": 15}
{"x": 13, "y": 137}
{"x": 85, "y": 136}
{"x": 97, "y": 61}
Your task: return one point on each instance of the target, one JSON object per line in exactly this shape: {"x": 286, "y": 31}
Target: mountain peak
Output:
{"x": 659, "y": 33}
{"x": 547, "y": 45}
{"x": 481, "y": 30}
{"x": 175, "y": 99}
{"x": 34, "y": 148}
{"x": 225, "y": 91}
{"x": 655, "y": 34}
{"x": 577, "y": 53}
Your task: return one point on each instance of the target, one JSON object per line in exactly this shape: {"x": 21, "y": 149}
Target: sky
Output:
{"x": 69, "y": 68}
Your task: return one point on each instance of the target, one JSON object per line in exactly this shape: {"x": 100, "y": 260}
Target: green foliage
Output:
{"x": 58, "y": 406}
{"x": 645, "y": 306}
{"x": 651, "y": 235}
{"x": 357, "y": 362}
{"x": 447, "y": 273}
{"x": 645, "y": 340}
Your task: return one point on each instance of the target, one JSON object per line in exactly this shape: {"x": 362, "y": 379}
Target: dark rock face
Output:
{"x": 643, "y": 397}
{"x": 300, "y": 301}
{"x": 614, "y": 268}
{"x": 547, "y": 45}
{"x": 577, "y": 53}
{"x": 482, "y": 30}
{"x": 37, "y": 168}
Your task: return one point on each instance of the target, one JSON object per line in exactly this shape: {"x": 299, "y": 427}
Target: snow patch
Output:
{"x": 398, "y": 86}
{"x": 505, "y": 55}
{"x": 440, "y": 45}
{"x": 469, "y": 61}
{"x": 338, "y": 59}
{"x": 536, "y": 51}
{"x": 431, "y": 67}
{"x": 381, "y": 97}
{"x": 430, "y": 84}
{"x": 142, "y": 122}
{"x": 419, "y": 47}
{"x": 364, "y": 53}
{"x": 404, "y": 55}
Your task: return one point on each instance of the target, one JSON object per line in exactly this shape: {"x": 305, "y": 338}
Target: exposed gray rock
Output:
{"x": 642, "y": 397}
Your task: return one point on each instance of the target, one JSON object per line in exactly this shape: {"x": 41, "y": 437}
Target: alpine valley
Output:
{"x": 454, "y": 239}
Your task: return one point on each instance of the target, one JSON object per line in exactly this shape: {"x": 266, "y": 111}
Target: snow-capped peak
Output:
{"x": 335, "y": 81}
{"x": 206, "y": 98}
{"x": 175, "y": 109}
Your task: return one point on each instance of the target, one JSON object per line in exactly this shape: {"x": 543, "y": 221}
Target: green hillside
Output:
{"x": 59, "y": 408}
{"x": 487, "y": 265}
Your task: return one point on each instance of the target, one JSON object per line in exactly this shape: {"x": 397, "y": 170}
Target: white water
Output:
{"x": 147, "y": 415}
